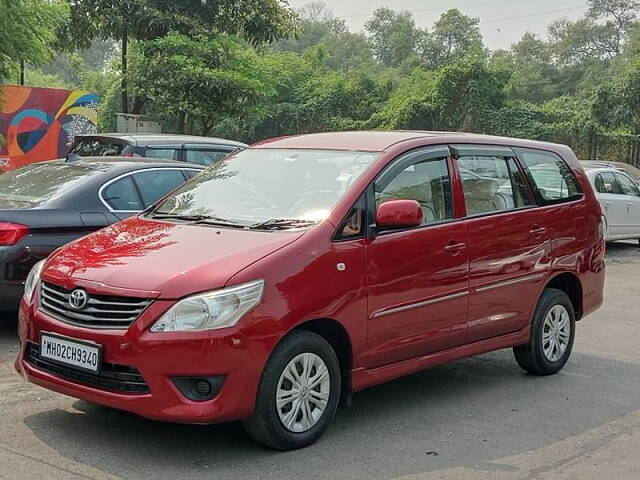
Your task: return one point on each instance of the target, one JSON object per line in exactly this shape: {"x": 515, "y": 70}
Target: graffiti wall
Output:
{"x": 40, "y": 123}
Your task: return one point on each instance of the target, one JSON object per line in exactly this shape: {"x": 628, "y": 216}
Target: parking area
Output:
{"x": 478, "y": 418}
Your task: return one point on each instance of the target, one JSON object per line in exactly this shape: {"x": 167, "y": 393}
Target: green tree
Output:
{"x": 601, "y": 33}
{"x": 70, "y": 66}
{"x": 316, "y": 23}
{"x": 348, "y": 51}
{"x": 460, "y": 96}
{"x": 534, "y": 76}
{"x": 258, "y": 21}
{"x": 203, "y": 80}
{"x": 616, "y": 104}
{"x": 454, "y": 37}
{"x": 393, "y": 36}
{"x": 28, "y": 31}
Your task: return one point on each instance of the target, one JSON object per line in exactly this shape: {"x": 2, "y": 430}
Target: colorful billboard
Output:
{"x": 40, "y": 123}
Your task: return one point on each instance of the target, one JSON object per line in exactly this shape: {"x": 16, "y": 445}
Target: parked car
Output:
{"x": 303, "y": 269}
{"x": 182, "y": 148}
{"x": 46, "y": 205}
{"x": 619, "y": 197}
{"x": 630, "y": 170}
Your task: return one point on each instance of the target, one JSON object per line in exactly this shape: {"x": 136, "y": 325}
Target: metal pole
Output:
{"x": 21, "y": 72}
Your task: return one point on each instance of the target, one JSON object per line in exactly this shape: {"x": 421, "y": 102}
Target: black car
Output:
{"x": 46, "y": 205}
{"x": 182, "y": 148}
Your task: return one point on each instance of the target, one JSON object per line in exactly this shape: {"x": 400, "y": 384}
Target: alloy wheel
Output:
{"x": 556, "y": 333}
{"x": 303, "y": 392}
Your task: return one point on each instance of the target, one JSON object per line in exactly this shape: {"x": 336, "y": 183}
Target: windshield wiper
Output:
{"x": 199, "y": 219}
{"x": 175, "y": 216}
{"x": 219, "y": 222}
{"x": 282, "y": 224}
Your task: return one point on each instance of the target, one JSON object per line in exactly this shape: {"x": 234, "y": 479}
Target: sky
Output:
{"x": 502, "y": 22}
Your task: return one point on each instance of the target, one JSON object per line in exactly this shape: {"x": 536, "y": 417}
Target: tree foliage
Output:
{"x": 257, "y": 21}
{"x": 28, "y": 31}
{"x": 251, "y": 69}
{"x": 204, "y": 79}
{"x": 393, "y": 36}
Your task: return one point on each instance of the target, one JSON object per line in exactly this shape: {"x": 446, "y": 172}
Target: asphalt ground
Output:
{"x": 474, "y": 419}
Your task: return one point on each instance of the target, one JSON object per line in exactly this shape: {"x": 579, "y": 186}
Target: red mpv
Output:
{"x": 302, "y": 269}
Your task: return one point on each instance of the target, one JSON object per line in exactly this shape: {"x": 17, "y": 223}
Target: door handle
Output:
{"x": 454, "y": 248}
{"x": 537, "y": 230}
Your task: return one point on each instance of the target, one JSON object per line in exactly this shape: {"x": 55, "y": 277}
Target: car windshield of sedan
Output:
{"x": 267, "y": 188}
{"x": 40, "y": 182}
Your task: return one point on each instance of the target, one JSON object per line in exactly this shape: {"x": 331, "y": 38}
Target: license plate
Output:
{"x": 69, "y": 351}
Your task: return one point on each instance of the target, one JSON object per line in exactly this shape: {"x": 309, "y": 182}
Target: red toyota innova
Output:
{"x": 302, "y": 269}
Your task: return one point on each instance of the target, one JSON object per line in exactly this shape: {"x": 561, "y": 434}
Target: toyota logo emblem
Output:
{"x": 78, "y": 299}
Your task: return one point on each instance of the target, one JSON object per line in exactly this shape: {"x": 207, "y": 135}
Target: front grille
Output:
{"x": 101, "y": 311}
{"x": 119, "y": 378}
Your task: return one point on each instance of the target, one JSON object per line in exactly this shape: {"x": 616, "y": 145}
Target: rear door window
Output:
{"x": 155, "y": 184}
{"x": 122, "y": 195}
{"x": 98, "y": 148}
{"x": 205, "y": 157}
{"x": 606, "y": 183}
{"x": 492, "y": 184}
{"x": 628, "y": 186}
{"x": 550, "y": 175}
{"x": 163, "y": 153}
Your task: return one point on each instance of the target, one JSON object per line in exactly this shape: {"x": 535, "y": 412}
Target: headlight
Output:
{"x": 211, "y": 310}
{"x": 32, "y": 280}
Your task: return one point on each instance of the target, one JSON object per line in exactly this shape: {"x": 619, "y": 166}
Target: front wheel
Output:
{"x": 298, "y": 393}
{"x": 552, "y": 335}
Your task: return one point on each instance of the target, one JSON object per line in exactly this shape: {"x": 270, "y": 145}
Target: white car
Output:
{"x": 619, "y": 196}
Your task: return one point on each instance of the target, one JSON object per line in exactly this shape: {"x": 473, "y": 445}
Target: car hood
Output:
{"x": 161, "y": 259}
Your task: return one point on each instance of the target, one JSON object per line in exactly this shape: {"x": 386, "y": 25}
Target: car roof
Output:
{"x": 143, "y": 139}
{"x": 597, "y": 164}
{"x": 378, "y": 141}
{"x": 125, "y": 164}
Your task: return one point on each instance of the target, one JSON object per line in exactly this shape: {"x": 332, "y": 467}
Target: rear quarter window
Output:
{"x": 98, "y": 148}
{"x": 549, "y": 175}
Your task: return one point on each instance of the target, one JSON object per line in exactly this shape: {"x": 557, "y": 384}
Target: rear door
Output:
{"x": 508, "y": 241}
{"x": 631, "y": 193}
{"x": 613, "y": 202}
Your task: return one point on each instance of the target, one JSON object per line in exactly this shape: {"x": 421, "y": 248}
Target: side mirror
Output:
{"x": 395, "y": 214}
{"x": 72, "y": 157}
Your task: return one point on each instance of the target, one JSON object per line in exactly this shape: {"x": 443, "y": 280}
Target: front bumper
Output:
{"x": 158, "y": 357}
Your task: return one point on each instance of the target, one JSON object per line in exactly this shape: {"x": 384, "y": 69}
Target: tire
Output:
{"x": 267, "y": 425}
{"x": 533, "y": 356}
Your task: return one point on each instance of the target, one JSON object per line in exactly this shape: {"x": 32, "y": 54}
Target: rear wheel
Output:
{"x": 552, "y": 335}
{"x": 298, "y": 393}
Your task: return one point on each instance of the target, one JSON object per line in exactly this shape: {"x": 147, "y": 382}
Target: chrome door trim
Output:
{"x": 506, "y": 283}
{"x": 423, "y": 303}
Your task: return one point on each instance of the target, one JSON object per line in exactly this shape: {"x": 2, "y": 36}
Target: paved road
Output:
{"x": 478, "y": 418}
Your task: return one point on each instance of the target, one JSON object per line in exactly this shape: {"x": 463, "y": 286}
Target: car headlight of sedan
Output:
{"x": 211, "y": 310}
{"x": 32, "y": 280}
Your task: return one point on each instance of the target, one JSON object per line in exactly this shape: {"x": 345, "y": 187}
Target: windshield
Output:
{"x": 40, "y": 182}
{"x": 268, "y": 188}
